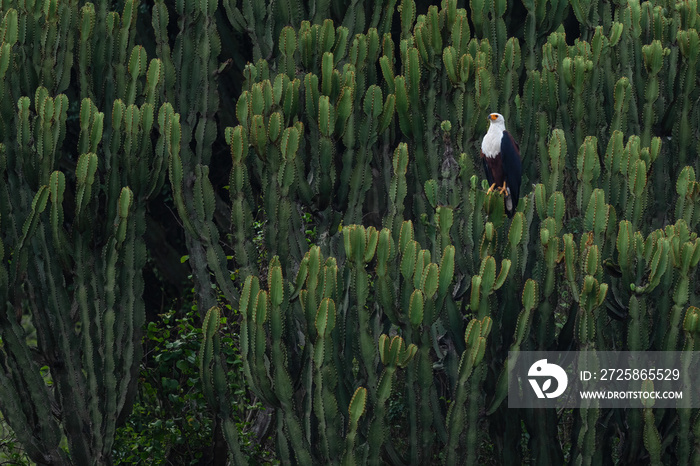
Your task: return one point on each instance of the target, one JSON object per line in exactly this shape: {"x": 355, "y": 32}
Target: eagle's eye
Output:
{"x": 494, "y": 117}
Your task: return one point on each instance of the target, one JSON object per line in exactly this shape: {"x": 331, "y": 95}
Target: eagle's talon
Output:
{"x": 503, "y": 189}
{"x": 491, "y": 189}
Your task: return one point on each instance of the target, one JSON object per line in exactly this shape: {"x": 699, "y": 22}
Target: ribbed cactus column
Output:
{"x": 214, "y": 383}
{"x": 684, "y": 252}
{"x": 689, "y": 45}
{"x": 685, "y": 450}
{"x": 530, "y": 300}
{"x": 653, "y": 61}
{"x": 688, "y": 201}
{"x": 475, "y": 339}
{"x": 394, "y": 354}
{"x": 195, "y": 95}
{"x": 67, "y": 283}
{"x": 240, "y": 192}
{"x": 360, "y": 246}
{"x": 591, "y": 298}
{"x": 73, "y": 209}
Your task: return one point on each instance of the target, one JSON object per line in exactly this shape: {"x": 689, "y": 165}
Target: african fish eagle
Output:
{"x": 501, "y": 156}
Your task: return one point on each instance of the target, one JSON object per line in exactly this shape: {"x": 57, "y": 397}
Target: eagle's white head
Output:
{"x": 491, "y": 144}
{"x": 497, "y": 121}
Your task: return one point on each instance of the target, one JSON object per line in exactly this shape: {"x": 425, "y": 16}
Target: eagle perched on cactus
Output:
{"x": 501, "y": 156}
